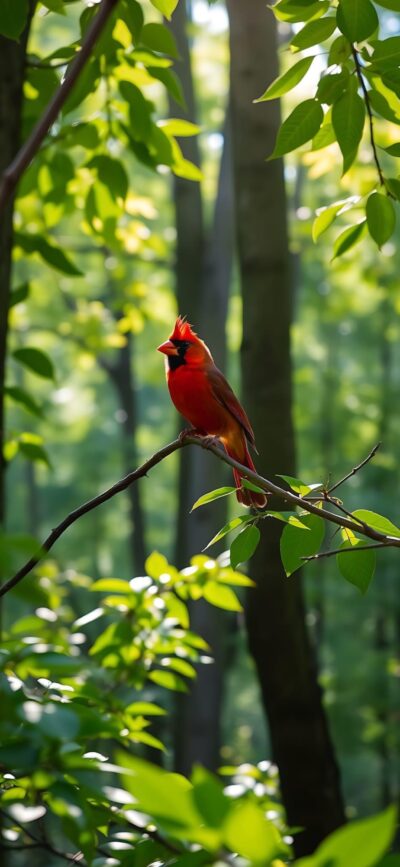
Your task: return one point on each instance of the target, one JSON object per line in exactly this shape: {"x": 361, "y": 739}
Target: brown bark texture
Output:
{"x": 277, "y": 635}
{"x": 12, "y": 73}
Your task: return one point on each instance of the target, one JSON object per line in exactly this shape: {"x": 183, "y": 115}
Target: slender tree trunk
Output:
{"x": 122, "y": 377}
{"x": 203, "y": 275}
{"x": 12, "y": 73}
{"x": 275, "y": 615}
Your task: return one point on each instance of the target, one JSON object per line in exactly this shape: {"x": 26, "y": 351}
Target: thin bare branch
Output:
{"x": 23, "y": 158}
{"x": 355, "y": 469}
{"x": 370, "y": 120}
{"x": 268, "y": 486}
{"x": 350, "y": 550}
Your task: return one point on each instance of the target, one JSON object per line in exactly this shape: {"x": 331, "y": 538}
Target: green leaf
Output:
{"x": 381, "y": 218}
{"x": 249, "y": 833}
{"x": 165, "y": 6}
{"x": 159, "y": 38}
{"x": 359, "y": 844}
{"x": 339, "y": 51}
{"x": 348, "y": 238}
{"x": 288, "y": 518}
{"x": 147, "y": 708}
{"x": 348, "y": 115}
{"x": 357, "y": 19}
{"x": 325, "y": 135}
{"x": 231, "y": 525}
{"x": 111, "y": 173}
{"x": 295, "y": 544}
{"x": 51, "y": 254}
{"x": 331, "y": 87}
{"x": 132, "y": 13}
{"x": 377, "y": 522}
{"x": 36, "y": 360}
{"x": 13, "y": 17}
{"x": 393, "y": 150}
{"x": 314, "y": 33}
{"x": 34, "y": 451}
{"x": 325, "y": 218}
{"x": 18, "y": 295}
{"x": 168, "y": 680}
{"x": 301, "y": 125}
{"x": 221, "y": 596}
{"x": 295, "y": 484}
{"x": 179, "y": 665}
{"x": 177, "y": 126}
{"x": 250, "y": 486}
{"x": 393, "y": 184}
{"x": 156, "y": 564}
{"x": 286, "y": 82}
{"x": 244, "y": 545}
{"x": 19, "y": 395}
{"x": 357, "y": 567}
{"x": 165, "y": 796}
{"x": 212, "y": 495}
{"x": 381, "y": 106}
{"x": 296, "y": 12}
{"x": 171, "y": 81}
{"x": 112, "y": 585}
{"x": 210, "y": 800}
{"x": 386, "y": 53}
{"x": 390, "y": 4}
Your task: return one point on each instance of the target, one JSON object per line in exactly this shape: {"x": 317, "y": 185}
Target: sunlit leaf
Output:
{"x": 295, "y": 545}
{"x": 244, "y": 545}
{"x": 357, "y": 567}
{"x": 346, "y": 240}
{"x": 381, "y": 218}
{"x": 301, "y": 125}
{"x": 221, "y": 596}
{"x": 165, "y": 6}
{"x": 287, "y": 81}
{"x": 377, "y": 522}
{"x": 348, "y": 115}
{"x": 314, "y": 33}
{"x": 357, "y": 19}
{"x": 212, "y": 495}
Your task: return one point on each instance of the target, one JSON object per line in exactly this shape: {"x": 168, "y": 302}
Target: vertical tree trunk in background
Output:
{"x": 122, "y": 377}
{"x": 275, "y": 616}
{"x": 203, "y": 273}
{"x": 12, "y": 73}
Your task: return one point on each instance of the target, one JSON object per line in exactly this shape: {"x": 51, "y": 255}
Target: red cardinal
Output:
{"x": 202, "y": 395}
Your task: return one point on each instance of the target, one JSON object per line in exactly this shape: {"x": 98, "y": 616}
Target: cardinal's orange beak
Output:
{"x": 168, "y": 348}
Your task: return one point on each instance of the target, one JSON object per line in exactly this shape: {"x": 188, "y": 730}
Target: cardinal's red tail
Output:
{"x": 248, "y": 498}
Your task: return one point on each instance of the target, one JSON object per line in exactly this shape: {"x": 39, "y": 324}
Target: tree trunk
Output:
{"x": 277, "y": 634}
{"x": 12, "y": 73}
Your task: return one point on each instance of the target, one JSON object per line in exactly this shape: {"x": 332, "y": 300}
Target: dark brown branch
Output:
{"x": 370, "y": 119}
{"x": 350, "y": 550}
{"x": 181, "y": 442}
{"x": 13, "y": 173}
{"x": 356, "y": 469}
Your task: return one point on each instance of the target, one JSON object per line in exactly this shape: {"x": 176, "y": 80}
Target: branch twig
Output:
{"x": 355, "y": 469}
{"x": 268, "y": 486}
{"x": 370, "y": 119}
{"x": 43, "y": 844}
{"x": 21, "y": 161}
{"x": 350, "y": 550}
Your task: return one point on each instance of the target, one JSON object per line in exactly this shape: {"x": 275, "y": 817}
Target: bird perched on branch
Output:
{"x": 202, "y": 395}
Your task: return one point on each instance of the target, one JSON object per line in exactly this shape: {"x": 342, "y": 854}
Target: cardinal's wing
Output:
{"x": 226, "y": 397}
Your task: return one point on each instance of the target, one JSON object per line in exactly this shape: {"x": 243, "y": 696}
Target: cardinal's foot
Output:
{"x": 190, "y": 432}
